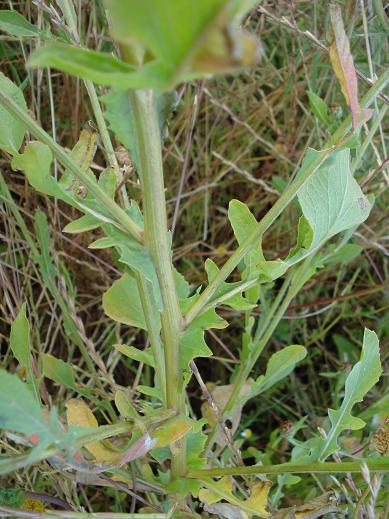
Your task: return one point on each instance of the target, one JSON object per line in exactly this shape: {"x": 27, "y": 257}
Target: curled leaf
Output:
{"x": 138, "y": 449}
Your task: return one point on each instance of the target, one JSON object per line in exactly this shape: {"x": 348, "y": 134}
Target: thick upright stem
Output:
{"x": 149, "y": 164}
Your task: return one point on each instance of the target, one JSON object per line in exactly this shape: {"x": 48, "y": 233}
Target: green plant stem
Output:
{"x": 297, "y": 282}
{"x": 257, "y": 348}
{"x": 254, "y": 237}
{"x": 107, "y": 143}
{"x": 281, "y": 204}
{"x": 153, "y": 332}
{"x": 263, "y": 323}
{"x": 329, "y": 467}
{"x": 292, "y": 284}
{"x": 103, "y": 130}
{"x": 274, "y": 316}
{"x": 361, "y": 150}
{"x": 245, "y": 285}
{"x": 65, "y": 514}
{"x": 149, "y": 153}
{"x": 116, "y": 211}
{"x": 381, "y": 14}
{"x": 105, "y": 431}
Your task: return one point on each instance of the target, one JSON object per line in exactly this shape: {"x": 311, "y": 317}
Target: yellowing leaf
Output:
{"x": 78, "y": 413}
{"x": 217, "y": 491}
{"x": 258, "y": 498}
{"x": 343, "y": 65}
{"x": 82, "y": 153}
{"x": 170, "y": 432}
{"x": 254, "y": 506}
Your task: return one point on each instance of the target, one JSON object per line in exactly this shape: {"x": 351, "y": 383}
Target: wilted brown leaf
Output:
{"x": 221, "y": 395}
{"x": 318, "y": 507}
{"x": 343, "y": 65}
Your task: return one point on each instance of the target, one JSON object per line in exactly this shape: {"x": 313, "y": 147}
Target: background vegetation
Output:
{"x": 235, "y": 137}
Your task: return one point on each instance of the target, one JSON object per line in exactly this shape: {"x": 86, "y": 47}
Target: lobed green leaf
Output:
{"x": 19, "y": 340}
{"x": 364, "y": 375}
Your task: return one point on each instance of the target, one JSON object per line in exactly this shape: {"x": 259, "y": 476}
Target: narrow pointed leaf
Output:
{"x": 136, "y": 354}
{"x": 87, "y": 222}
{"x": 319, "y": 108}
{"x": 244, "y": 224}
{"x": 58, "y": 371}
{"x": 280, "y": 365}
{"x": 11, "y": 131}
{"x": 15, "y": 24}
{"x": 19, "y": 341}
